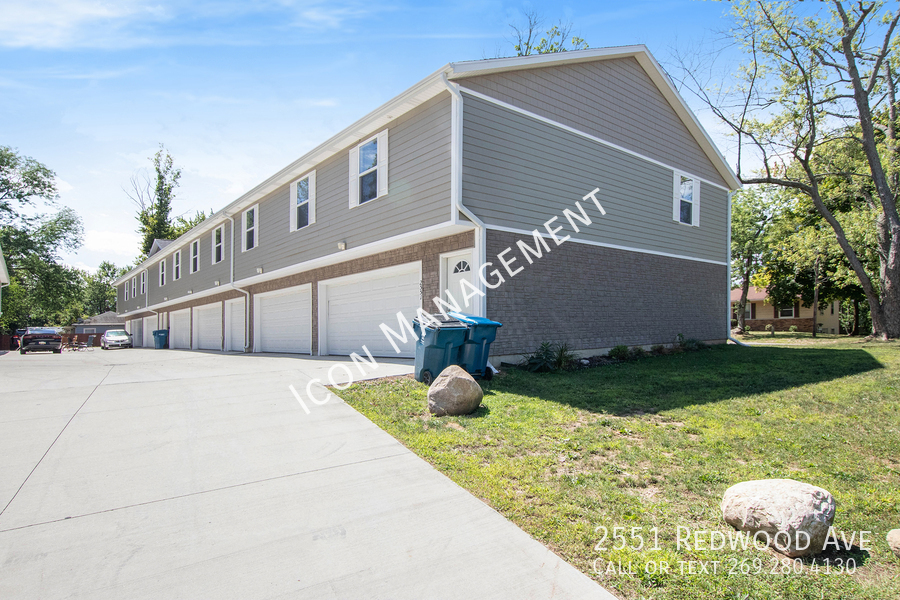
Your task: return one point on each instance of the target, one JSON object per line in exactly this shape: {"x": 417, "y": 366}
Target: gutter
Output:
{"x": 456, "y": 150}
{"x": 242, "y": 290}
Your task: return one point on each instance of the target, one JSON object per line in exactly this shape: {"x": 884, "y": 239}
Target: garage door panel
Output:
{"x": 209, "y": 327}
{"x": 180, "y": 330}
{"x": 284, "y": 321}
{"x": 234, "y": 314}
{"x": 356, "y": 310}
{"x": 149, "y": 328}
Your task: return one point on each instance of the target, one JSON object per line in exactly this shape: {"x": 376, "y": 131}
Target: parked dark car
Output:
{"x": 115, "y": 338}
{"x": 40, "y": 338}
{"x": 15, "y": 339}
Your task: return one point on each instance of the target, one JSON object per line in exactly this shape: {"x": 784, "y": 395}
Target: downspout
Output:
{"x": 728, "y": 281}
{"x": 456, "y": 150}
{"x": 242, "y": 290}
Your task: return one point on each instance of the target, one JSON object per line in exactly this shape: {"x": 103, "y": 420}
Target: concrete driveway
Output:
{"x": 173, "y": 474}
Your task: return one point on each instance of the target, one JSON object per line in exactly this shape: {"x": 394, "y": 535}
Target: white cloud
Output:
{"x": 118, "y": 243}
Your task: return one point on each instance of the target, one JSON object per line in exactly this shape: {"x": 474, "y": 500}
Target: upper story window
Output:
{"x": 126, "y": 291}
{"x": 134, "y": 287}
{"x": 162, "y": 272}
{"x": 249, "y": 222}
{"x": 303, "y": 202}
{"x": 218, "y": 246}
{"x": 368, "y": 170}
{"x": 686, "y": 207}
{"x": 176, "y": 266}
{"x": 195, "y": 256}
{"x": 143, "y": 282}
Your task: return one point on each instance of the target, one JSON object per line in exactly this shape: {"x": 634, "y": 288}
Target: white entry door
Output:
{"x": 137, "y": 332}
{"x": 180, "y": 332}
{"x": 456, "y": 268}
{"x": 234, "y": 325}
{"x": 149, "y": 327}
{"x": 208, "y": 327}
{"x": 353, "y": 309}
{"x": 283, "y": 320}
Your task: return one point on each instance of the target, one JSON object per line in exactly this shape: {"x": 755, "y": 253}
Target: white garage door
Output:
{"x": 180, "y": 333}
{"x": 149, "y": 328}
{"x": 208, "y": 327}
{"x": 356, "y": 307}
{"x": 137, "y": 332}
{"x": 283, "y": 321}
{"x": 234, "y": 325}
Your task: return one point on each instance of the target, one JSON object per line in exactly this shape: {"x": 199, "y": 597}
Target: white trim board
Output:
{"x": 588, "y": 136}
{"x": 546, "y": 235}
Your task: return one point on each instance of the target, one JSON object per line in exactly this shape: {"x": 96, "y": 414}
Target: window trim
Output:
{"x": 310, "y": 202}
{"x": 194, "y": 257}
{"x": 793, "y": 312}
{"x": 143, "y": 282}
{"x": 176, "y": 265}
{"x": 221, "y": 230}
{"x": 381, "y": 168}
{"x": 134, "y": 287}
{"x": 126, "y": 291}
{"x": 162, "y": 272}
{"x": 255, "y": 228}
{"x": 695, "y": 199}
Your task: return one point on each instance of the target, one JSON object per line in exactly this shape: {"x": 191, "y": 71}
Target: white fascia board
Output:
{"x": 418, "y": 94}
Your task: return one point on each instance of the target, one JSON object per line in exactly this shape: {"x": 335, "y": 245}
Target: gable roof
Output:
{"x": 157, "y": 246}
{"x": 754, "y": 294}
{"x": 108, "y": 318}
{"x": 428, "y": 88}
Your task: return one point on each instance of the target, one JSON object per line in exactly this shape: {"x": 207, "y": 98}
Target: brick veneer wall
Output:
{"x": 780, "y": 324}
{"x": 428, "y": 252}
{"x": 595, "y": 297}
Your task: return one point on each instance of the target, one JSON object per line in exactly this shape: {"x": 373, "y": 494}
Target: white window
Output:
{"x": 786, "y": 311}
{"x": 90, "y": 330}
{"x": 249, "y": 222}
{"x": 126, "y": 291}
{"x": 218, "y": 247}
{"x": 195, "y": 256}
{"x": 686, "y": 207}
{"x": 134, "y": 287}
{"x": 369, "y": 170}
{"x": 143, "y": 282}
{"x": 176, "y": 266}
{"x": 162, "y": 273}
{"x": 303, "y": 202}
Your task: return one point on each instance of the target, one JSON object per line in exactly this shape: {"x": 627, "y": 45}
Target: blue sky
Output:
{"x": 237, "y": 90}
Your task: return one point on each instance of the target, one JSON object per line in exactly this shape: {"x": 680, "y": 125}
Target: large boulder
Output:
{"x": 792, "y": 517}
{"x": 893, "y": 540}
{"x": 454, "y": 392}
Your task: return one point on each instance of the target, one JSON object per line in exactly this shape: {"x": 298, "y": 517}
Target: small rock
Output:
{"x": 793, "y": 517}
{"x": 893, "y": 540}
{"x": 454, "y": 392}
{"x": 585, "y": 362}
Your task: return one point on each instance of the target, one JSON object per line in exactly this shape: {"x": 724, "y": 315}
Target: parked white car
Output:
{"x": 116, "y": 338}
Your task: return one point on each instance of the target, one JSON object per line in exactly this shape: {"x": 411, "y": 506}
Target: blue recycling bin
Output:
{"x": 160, "y": 338}
{"x": 480, "y": 332}
{"x": 437, "y": 346}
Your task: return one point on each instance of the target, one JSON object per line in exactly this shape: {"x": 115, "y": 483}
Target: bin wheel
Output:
{"x": 488, "y": 374}
{"x": 427, "y": 377}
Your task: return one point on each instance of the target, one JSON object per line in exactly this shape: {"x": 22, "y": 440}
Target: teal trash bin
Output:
{"x": 437, "y": 346}
{"x": 473, "y": 355}
{"x": 160, "y": 338}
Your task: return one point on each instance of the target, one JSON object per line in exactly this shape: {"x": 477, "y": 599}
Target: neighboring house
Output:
{"x": 414, "y": 197}
{"x": 759, "y": 312}
{"x": 100, "y": 324}
{"x": 4, "y": 278}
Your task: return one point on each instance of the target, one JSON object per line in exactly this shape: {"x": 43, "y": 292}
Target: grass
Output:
{"x": 654, "y": 443}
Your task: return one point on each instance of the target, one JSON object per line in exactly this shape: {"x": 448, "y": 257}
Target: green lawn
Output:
{"x": 654, "y": 443}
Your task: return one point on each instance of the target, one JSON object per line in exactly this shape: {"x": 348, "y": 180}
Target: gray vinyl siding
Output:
{"x": 518, "y": 172}
{"x": 614, "y": 100}
{"x": 418, "y": 196}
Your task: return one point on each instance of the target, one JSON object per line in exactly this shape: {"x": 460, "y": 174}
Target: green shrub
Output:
{"x": 620, "y": 352}
{"x": 637, "y": 352}
{"x": 658, "y": 349}
{"x": 549, "y": 357}
{"x": 771, "y": 329}
{"x": 792, "y": 329}
{"x": 691, "y": 344}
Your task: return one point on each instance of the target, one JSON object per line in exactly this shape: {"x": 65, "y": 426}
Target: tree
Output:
{"x": 525, "y": 37}
{"x": 815, "y": 104}
{"x": 184, "y": 224}
{"x": 753, "y": 212}
{"x": 23, "y": 180}
{"x": 99, "y": 291}
{"x": 154, "y": 199}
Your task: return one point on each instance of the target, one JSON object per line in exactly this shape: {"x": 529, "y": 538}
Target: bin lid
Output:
{"x": 473, "y": 320}
{"x": 439, "y": 321}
